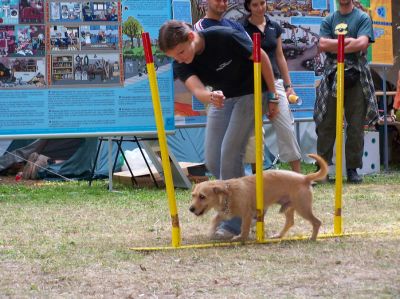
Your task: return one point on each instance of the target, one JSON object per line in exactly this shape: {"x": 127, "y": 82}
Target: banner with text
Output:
{"x": 77, "y": 68}
{"x": 382, "y": 49}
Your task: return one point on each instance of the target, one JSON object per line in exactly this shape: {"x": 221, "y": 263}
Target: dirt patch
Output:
{"x": 13, "y": 180}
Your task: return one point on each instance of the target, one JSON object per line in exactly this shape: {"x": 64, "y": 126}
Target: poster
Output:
{"x": 382, "y": 49}
{"x": 77, "y": 68}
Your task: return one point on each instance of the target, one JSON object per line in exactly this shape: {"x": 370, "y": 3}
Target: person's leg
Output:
{"x": 228, "y": 229}
{"x": 237, "y": 134}
{"x": 217, "y": 123}
{"x": 355, "y": 111}
{"x": 289, "y": 149}
{"x": 232, "y": 152}
{"x": 326, "y": 132}
{"x": 249, "y": 156}
{"x": 295, "y": 165}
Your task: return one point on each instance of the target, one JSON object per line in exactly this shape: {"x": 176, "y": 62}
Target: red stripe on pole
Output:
{"x": 147, "y": 47}
{"x": 340, "y": 53}
{"x": 256, "y": 47}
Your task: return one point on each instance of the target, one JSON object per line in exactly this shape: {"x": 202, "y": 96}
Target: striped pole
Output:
{"x": 176, "y": 236}
{"x": 337, "y": 222}
{"x": 258, "y": 123}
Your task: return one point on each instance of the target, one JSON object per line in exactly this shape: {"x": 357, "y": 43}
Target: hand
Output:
{"x": 348, "y": 40}
{"x": 273, "y": 110}
{"x": 217, "y": 98}
{"x": 289, "y": 91}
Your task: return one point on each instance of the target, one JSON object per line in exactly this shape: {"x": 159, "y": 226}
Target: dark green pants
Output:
{"x": 355, "y": 110}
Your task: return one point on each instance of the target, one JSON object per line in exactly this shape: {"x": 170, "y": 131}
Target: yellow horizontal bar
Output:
{"x": 265, "y": 241}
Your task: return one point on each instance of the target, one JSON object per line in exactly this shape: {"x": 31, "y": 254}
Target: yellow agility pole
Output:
{"x": 258, "y": 124}
{"x": 340, "y": 31}
{"x": 265, "y": 241}
{"x": 176, "y": 236}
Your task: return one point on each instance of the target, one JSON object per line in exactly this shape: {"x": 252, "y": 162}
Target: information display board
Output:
{"x": 77, "y": 68}
{"x": 382, "y": 49}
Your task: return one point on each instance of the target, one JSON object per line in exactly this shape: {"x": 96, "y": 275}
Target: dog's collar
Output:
{"x": 225, "y": 208}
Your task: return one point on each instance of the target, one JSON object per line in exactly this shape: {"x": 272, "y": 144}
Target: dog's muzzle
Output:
{"x": 193, "y": 210}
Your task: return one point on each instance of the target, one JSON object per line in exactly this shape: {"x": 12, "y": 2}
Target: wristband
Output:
{"x": 287, "y": 86}
{"x": 271, "y": 95}
{"x": 274, "y": 101}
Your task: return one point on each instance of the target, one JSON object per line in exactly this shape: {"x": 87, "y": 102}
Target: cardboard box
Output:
{"x": 194, "y": 171}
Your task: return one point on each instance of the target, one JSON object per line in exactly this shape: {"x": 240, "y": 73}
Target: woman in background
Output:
{"x": 271, "y": 43}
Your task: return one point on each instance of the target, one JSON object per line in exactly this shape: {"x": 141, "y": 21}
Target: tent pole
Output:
{"x": 110, "y": 170}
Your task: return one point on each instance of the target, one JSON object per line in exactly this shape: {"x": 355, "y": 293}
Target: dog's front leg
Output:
{"x": 214, "y": 224}
{"x": 245, "y": 229}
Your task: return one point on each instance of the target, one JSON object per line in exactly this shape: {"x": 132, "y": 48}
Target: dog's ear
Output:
{"x": 221, "y": 188}
{"x": 224, "y": 193}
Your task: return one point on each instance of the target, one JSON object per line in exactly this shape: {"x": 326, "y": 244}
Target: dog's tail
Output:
{"x": 321, "y": 173}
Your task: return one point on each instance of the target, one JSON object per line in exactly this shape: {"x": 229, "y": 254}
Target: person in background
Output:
{"x": 359, "y": 95}
{"x": 201, "y": 61}
{"x": 289, "y": 149}
{"x": 271, "y": 43}
{"x": 396, "y": 104}
{"x": 214, "y": 17}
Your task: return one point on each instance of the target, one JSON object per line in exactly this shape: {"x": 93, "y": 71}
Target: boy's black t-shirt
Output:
{"x": 224, "y": 63}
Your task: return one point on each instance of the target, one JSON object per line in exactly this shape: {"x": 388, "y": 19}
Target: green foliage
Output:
{"x": 134, "y": 53}
{"x": 133, "y": 29}
{"x": 305, "y": 167}
{"x": 78, "y": 193}
{"x": 138, "y": 52}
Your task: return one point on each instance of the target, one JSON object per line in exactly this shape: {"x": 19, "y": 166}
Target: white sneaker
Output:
{"x": 222, "y": 234}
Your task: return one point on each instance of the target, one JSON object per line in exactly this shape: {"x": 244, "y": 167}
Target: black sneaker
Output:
{"x": 353, "y": 177}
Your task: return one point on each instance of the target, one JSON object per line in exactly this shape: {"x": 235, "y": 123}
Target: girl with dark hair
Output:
{"x": 271, "y": 43}
{"x": 220, "y": 57}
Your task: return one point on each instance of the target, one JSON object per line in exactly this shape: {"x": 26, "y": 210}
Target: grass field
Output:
{"x": 68, "y": 240}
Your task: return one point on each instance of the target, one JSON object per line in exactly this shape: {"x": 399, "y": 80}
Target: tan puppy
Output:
{"x": 237, "y": 197}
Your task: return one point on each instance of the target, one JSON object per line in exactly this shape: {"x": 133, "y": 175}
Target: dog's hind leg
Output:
{"x": 315, "y": 222}
{"x": 289, "y": 214}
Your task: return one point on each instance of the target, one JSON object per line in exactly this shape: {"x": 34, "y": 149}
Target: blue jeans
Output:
{"x": 227, "y": 132}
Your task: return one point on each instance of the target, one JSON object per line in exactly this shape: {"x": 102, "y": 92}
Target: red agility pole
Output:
{"x": 341, "y": 31}
{"x": 155, "y": 96}
{"x": 258, "y": 124}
